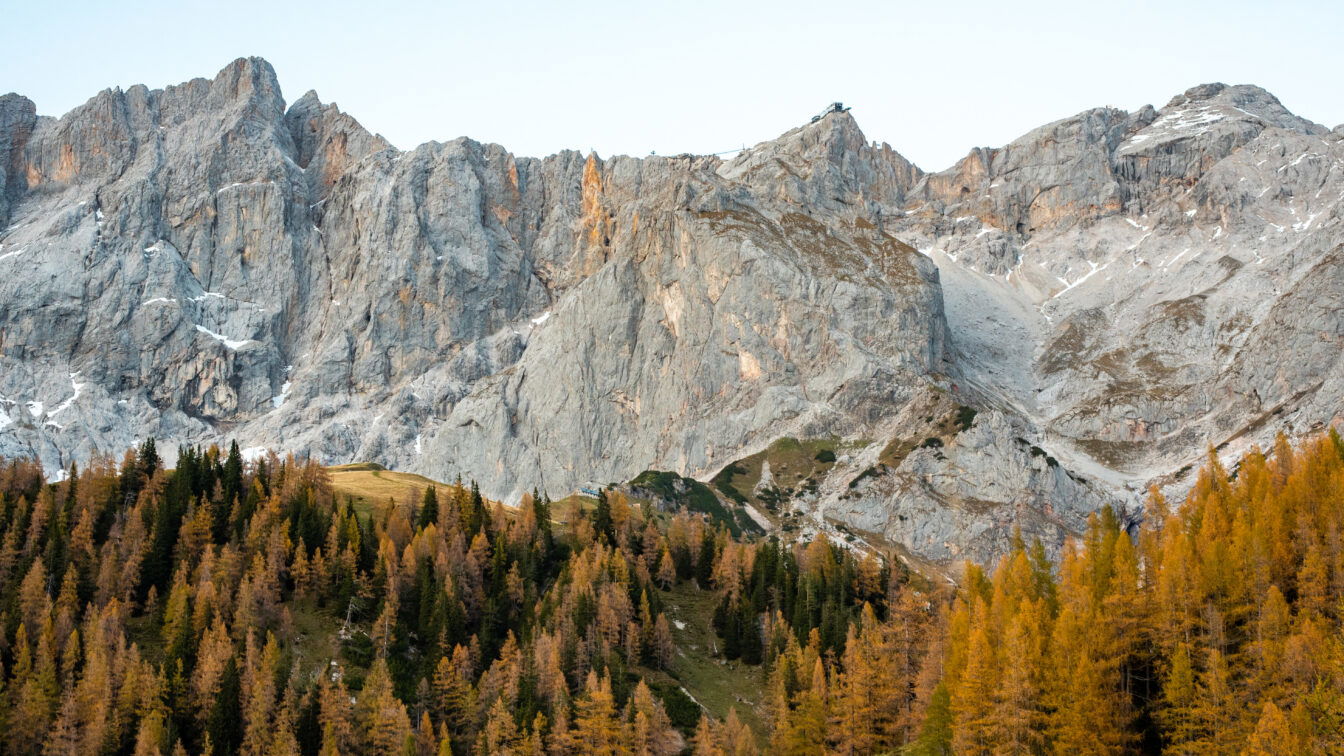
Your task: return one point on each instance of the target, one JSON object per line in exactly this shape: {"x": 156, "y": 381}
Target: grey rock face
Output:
{"x": 207, "y": 263}
{"x": 18, "y": 115}
{"x": 965, "y": 499}
{"x": 1188, "y": 298}
{"x": 202, "y": 262}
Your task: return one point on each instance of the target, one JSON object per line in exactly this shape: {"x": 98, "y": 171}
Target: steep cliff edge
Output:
{"x": 199, "y": 261}
{"x": 1109, "y": 292}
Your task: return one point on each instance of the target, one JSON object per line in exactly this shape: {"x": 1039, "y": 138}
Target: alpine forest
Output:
{"x": 230, "y": 607}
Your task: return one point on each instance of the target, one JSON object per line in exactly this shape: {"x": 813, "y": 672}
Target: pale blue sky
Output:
{"x": 933, "y": 79}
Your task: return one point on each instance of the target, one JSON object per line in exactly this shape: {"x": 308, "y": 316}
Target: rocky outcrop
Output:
{"x": 18, "y": 115}
{"x": 966, "y": 498}
{"x": 328, "y": 142}
{"x": 1056, "y": 175}
{"x": 1110, "y": 291}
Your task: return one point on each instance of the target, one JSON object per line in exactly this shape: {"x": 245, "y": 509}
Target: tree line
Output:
{"x": 229, "y": 607}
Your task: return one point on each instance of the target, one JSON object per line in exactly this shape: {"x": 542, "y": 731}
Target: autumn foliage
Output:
{"x": 1215, "y": 628}
{"x": 221, "y": 607}
{"x": 230, "y": 607}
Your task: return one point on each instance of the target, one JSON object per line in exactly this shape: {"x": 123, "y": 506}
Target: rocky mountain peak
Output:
{"x": 250, "y": 79}
{"x": 200, "y": 262}
{"x": 829, "y": 160}
{"x": 1239, "y": 101}
{"x": 1057, "y": 174}
{"x": 327, "y": 141}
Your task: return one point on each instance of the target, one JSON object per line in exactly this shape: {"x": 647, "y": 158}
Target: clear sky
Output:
{"x": 933, "y": 78}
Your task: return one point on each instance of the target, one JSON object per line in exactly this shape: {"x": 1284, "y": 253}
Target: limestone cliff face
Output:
{"x": 17, "y": 118}
{"x": 202, "y": 262}
{"x": 1169, "y": 280}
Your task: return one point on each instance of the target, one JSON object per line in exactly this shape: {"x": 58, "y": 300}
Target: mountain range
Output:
{"x": 1042, "y": 330}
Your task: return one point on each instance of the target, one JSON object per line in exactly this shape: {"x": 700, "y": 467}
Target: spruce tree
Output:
{"x": 602, "y": 523}
{"x": 429, "y": 509}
